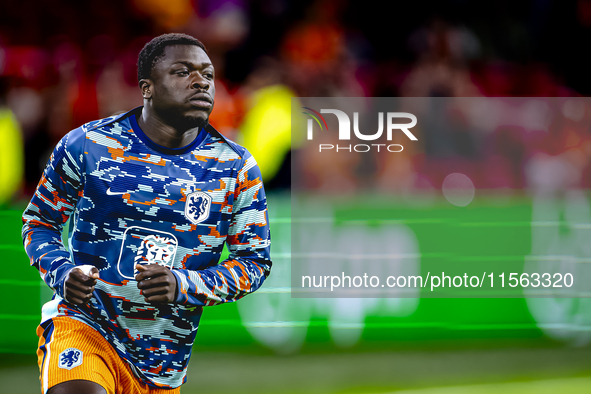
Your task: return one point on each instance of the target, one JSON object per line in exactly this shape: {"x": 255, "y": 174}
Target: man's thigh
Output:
{"x": 77, "y": 386}
{"x": 71, "y": 354}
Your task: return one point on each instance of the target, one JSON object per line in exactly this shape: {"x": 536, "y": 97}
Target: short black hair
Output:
{"x": 153, "y": 51}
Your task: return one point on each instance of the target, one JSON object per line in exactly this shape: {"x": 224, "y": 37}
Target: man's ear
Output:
{"x": 146, "y": 88}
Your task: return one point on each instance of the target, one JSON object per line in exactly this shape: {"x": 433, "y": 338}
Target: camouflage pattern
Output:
{"x": 127, "y": 199}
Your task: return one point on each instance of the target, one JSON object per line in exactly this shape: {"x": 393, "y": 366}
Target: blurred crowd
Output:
{"x": 63, "y": 63}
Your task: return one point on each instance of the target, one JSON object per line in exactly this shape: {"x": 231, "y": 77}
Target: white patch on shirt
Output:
{"x": 197, "y": 207}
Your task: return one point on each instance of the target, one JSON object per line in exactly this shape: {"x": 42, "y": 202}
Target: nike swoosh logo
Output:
{"x": 110, "y": 193}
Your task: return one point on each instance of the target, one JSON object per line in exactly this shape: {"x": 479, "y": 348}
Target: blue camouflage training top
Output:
{"x": 131, "y": 201}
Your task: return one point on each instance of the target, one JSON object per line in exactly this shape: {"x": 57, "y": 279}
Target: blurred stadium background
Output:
{"x": 63, "y": 63}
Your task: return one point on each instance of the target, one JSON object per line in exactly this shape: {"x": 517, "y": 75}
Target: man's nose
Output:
{"x": 199, "y": 82}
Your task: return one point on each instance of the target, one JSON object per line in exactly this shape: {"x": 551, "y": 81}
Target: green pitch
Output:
{"x": 480, "y": 232}
{"x": 296, "y": 345}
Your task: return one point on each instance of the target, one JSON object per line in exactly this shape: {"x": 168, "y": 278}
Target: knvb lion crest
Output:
{"x": 197, "y": 207}
{"x": 156, "y": 249}
{"x": 70, "y": 358}
{"x": 145, "y": 246}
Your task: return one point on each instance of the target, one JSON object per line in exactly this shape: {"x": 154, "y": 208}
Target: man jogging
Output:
{"x": 152, "y": 196}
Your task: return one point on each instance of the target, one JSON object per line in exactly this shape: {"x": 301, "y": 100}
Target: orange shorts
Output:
{"x": 71, "y": 350}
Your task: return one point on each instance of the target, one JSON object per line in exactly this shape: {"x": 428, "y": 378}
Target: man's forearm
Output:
{"x": 225, "y": 282}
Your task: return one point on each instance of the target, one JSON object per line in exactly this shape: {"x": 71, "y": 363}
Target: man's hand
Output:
{"x": 156, "y": 282}
{"x": 79, "y": 284}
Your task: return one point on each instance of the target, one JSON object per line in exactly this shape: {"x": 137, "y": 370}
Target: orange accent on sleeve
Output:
{"x": 246, "y": 184}
{"x": 204, "y": 158}
{"x": 243, "y": 280}
{"x": 39, "y": 223}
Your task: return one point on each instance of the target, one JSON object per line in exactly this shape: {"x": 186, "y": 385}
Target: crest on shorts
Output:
{"x": 70, "y": 358}
{"x": 197, "y": 207}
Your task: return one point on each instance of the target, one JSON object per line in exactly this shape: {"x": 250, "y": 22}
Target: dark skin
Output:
{"x": 77, "y": 387}
{"x": 156, "y": 283}
{"x": 178, "y": 99}
{"x": 78, "y": 286}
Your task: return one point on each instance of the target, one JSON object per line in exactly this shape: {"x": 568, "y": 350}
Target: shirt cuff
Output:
{"x": 178, "y": 295}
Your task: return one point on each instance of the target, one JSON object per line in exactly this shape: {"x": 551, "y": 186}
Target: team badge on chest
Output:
{"x": 197, "y": 207}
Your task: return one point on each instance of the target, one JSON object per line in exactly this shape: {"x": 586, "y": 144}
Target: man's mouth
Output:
{"x": 201, "y": 101}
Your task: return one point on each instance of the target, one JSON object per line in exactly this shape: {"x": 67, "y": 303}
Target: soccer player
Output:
{"x": 152, "y": 195}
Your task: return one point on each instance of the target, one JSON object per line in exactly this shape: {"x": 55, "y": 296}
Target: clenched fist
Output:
{"x": 156, "y": 282}
{"x": 79, "y": 284}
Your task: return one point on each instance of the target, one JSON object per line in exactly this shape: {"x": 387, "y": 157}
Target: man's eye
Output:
{"x": 183, "y": 72}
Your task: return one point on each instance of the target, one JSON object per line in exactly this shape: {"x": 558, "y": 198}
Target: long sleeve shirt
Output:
{"x": 131, "y": 201}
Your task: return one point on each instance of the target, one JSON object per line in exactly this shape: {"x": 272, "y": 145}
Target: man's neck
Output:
{"x": 164, "y": 134}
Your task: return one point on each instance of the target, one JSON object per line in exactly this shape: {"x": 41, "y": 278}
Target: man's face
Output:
{"x": 182, "y": 89}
